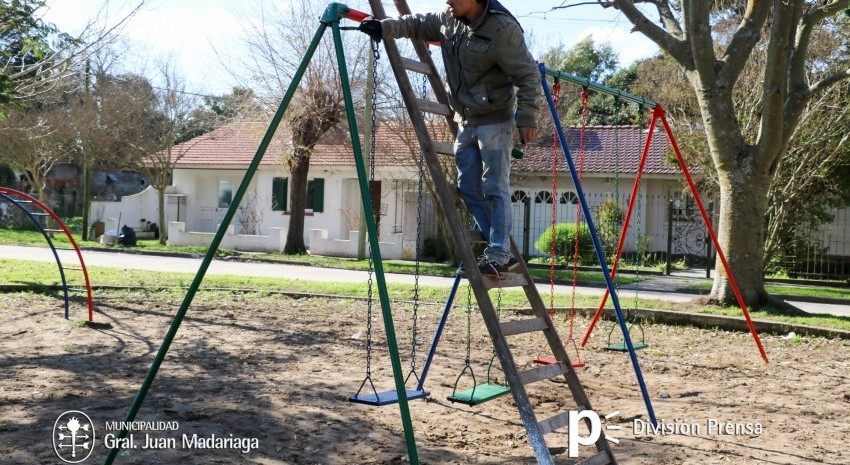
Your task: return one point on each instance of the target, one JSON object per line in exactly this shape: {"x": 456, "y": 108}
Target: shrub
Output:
{"x": 608, "y": 224}
{"x": 565, "y": 235}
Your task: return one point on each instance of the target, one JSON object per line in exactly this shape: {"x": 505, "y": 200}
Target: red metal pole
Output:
{"x": 656, "y": 113}
{"x": 711, "y": 233}
{"x": 58, "y": 220}
{"x": 358, "y": 16}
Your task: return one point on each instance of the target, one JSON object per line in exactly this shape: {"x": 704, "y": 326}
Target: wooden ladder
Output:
{"x": 498, "y": 330}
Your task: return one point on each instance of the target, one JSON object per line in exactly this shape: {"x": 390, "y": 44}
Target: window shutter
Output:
{"x": 280, "y": 189}
{"x": 318, "y": 195}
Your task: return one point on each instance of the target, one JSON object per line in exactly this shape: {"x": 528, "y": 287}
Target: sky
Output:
{"x": 202, "y": 37}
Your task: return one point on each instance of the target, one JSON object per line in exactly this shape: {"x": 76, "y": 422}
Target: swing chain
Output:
{"x": 615, "y": 216}
{"x": 556, "y": 92}
{"x": 369, "y": 285}
{"x": 639, "y": 258}
{"x": 468, "y": 325}
{"x": 421, "y": 174}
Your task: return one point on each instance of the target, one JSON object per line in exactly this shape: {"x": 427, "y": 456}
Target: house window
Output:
{"x": 316, "y": 195}
{"x": 280, "y": 194}
{"x": 225, "y": 193}
{"x": 543, "y": 197}
{"x": 569, "y": 197}
{"x": 519, "y": 196}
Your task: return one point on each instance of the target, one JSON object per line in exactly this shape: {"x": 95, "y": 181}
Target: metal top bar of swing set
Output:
{"x": 599, "y": 87}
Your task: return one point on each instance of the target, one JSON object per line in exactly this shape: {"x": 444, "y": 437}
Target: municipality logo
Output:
{"x": 73, "y": 436}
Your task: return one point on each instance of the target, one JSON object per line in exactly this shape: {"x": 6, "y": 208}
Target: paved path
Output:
{"x": 658, "y": 288}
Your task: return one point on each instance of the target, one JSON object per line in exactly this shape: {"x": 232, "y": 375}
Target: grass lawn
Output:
{"x": 792, "y": 290}
{"x": 34, "y": 238}
{"x": 39, "y": 273}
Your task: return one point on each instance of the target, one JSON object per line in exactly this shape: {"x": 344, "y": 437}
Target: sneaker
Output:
{"x": 511, "y": 265}
{"x": 489, "y": 268}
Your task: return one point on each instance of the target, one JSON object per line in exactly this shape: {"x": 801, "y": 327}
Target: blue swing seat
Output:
{"x": 387, "y": 397}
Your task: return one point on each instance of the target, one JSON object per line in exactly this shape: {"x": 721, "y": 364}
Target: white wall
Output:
{"x": 131, "y": 210}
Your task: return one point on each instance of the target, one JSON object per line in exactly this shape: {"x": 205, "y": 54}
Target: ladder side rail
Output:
{"x": 557, "y": 347}
{"x": 529, "y": 420}
{"x": 64, "y": 229}
{"x": 424, "y": 56}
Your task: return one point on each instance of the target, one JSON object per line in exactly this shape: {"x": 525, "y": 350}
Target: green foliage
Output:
{"x": 7, "y": 176}
{"x": 609, "y": 223}
{"x": 565, "y": 240}
{"x": 25, "y": 40}
{"x": 586, "y": 59}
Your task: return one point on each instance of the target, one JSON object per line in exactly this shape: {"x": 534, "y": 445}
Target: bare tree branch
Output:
{"x": 746, "y": 37}
{"x": 675, "y": 47}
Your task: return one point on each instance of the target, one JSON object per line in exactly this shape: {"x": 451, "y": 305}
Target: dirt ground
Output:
{"x": 279, "y": 370}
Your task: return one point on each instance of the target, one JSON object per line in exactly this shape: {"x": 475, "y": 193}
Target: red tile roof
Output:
{"x": 237, "y": 143}
{"x": 234, "y": 144}
{"x": 601, "y": 148}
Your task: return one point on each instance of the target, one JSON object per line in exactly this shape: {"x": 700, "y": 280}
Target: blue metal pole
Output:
{"x": 600, "y": 255}
{"x": 49, "y": 242}
{"x": 438, "y": 333}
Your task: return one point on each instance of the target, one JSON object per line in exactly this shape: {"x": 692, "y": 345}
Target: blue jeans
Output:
{"x": 482, "y": 155}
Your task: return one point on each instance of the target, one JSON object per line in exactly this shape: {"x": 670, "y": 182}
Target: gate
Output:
{"x": 687, "y": 236}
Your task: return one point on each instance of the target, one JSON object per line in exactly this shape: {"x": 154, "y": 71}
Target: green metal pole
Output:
{"x": 398, "y": 374}
{"x": 599, "y": 87}
{"x": 228, "y": 217}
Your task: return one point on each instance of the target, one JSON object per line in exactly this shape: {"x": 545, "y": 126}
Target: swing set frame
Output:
{"x": 658, "y": 114}
{"x": 330, "y": 19}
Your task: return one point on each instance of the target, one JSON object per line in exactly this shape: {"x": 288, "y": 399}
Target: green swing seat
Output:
{"x": 479, "y": 394}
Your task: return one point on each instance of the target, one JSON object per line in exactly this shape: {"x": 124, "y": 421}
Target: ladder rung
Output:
{"x": 557, "y": 422}
{"x": 23, "y": 201}
{"x": 512, "y": 328}
{"x": 445, "y": 148}
{"x": 510, "y": 280}
{"x": 39, "y": 214}
{"x": 433, "y": 107}
{"x": 542, "y": 372}
{"x": 72, "y": 268}
{"x": 601, "y": 458}
{"x": 416, "y": 66}
{"x": 53, "y": 230}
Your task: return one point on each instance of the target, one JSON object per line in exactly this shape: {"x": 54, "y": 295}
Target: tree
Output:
{"x": 713, "y": 63}
{"x": 586, "y": 59}
{"x": 597, "y": 63}
{"x": 277, "y": 46}
{"x": 173, "y": 128}
{"x": 37, "y": 57}
{"x": 33, "y": 140}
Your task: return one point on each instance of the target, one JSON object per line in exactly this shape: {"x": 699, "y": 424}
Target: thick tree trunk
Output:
{"x": 743, "y": 206}
{"x": 743, "y": 196}
{"x": 163, "y": 228}
{"x": 298, "y": 204}
{"x": 86, "y": 201}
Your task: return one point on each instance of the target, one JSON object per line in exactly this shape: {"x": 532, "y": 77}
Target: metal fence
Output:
{"x": 821, "y": 252}
{"x": 663, "y": 229}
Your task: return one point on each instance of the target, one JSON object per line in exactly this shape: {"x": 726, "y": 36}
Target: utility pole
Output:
{"x": 86, "y": 170}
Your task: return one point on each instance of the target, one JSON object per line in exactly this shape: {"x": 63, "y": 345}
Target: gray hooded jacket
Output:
{"x": 485, "y": 61}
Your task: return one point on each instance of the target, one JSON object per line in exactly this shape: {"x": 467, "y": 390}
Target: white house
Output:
{"x": 213, "y": 165}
